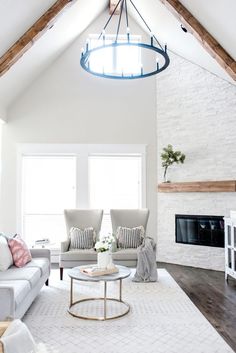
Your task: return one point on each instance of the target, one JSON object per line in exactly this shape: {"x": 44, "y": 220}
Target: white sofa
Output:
{"x": 20, "y": 286}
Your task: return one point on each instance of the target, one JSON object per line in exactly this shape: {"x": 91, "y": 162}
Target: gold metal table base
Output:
{"x": 99, "y": 318}
{"x": 105, "y": 299}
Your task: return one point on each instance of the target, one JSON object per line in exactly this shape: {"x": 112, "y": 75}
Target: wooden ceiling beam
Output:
{"x": 42, "y": 25}
{"x": 202, "y": 35}
{"x": 113, "y": 4}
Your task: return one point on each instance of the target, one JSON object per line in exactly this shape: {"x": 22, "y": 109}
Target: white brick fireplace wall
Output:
{"x": 196, "y": 113}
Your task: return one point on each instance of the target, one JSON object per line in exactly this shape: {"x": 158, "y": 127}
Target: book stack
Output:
{"x": 94, "y": 271}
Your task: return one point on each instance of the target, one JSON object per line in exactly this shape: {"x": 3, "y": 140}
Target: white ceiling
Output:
{"x": 209, "y": 13}
{"x": 219, "y": 17}
{"x": 16, "y": 16}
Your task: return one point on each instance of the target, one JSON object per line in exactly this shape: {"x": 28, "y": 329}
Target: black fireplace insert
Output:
{"x": 199, "y": 230}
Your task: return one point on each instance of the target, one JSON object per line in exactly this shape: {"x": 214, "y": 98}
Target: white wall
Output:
{"x": 1, "y": 124}
{"x": 196, "y": 113}
{"x": 3, "y": 113}
{"x": 67, "y": 105}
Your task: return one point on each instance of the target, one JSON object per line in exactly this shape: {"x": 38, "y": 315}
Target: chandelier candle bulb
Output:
{"x": 152, "y": 40}
{"x": 104, "y": 37}
{"x": 128, "y": 33}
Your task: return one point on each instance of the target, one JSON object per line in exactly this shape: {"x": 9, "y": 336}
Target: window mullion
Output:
{"x": 82, "y": 184}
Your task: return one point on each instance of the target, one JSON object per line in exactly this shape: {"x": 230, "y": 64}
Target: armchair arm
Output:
{"x": 41, "y": 253}
{"x": 7, "y": 307}
{"x": 65, "y": 246}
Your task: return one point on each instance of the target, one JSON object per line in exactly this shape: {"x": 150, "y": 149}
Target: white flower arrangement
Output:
{"x": 104, "y": 243}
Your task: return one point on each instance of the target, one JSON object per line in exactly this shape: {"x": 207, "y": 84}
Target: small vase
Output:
{"x": 103, "y": 259}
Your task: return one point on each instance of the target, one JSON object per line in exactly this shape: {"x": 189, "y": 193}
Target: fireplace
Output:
{"x": 199, "y": 230}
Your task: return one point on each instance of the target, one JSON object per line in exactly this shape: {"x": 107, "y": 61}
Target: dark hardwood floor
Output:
{"x": 213, "y": 296}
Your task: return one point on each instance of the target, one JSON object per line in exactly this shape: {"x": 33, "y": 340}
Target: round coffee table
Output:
{"x": 75, "y": 274}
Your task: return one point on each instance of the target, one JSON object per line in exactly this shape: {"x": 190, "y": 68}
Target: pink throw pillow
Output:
{"x": 20, "y": 252}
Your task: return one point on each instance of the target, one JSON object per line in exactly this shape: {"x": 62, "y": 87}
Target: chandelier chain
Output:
{"x": 126, "y": 13}
{"x": 146, "y": 24}
{"x": 109, "y": 19}
{"x": 120, "y": 17}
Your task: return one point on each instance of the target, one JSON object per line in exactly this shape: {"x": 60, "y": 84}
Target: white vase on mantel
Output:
{"x": 103, "y": 259}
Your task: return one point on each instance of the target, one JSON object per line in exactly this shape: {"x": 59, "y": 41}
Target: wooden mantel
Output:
{"x": 199, "y": 186}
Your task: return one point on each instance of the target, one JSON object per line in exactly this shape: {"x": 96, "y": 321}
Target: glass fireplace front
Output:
{"x": 199, "y": 230}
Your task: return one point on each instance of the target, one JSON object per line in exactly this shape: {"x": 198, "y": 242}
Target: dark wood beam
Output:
{"x": 22, "y": 45}
{"x": 202, "y": 35}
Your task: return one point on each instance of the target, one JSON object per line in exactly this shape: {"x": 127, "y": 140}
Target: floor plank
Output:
{"x": 213, "y": 296}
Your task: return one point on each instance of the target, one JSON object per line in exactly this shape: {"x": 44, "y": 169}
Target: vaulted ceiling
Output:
{"x": 16, "y": 16}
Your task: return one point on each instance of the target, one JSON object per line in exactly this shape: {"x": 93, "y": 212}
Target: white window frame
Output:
{"x": 82, "y": 153}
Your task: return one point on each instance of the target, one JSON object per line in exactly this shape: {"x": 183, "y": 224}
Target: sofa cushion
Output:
{"x": 5, "y": 254}
{"x": 79, "y": 255}
{"x": 21, "y": 289}
{"x": 125, "y": 254}
{"x": 41, "y": 263}
{"x": 31, "y": 274}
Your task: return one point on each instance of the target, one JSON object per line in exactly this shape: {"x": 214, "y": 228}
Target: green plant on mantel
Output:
{"x": 169, "y": 157}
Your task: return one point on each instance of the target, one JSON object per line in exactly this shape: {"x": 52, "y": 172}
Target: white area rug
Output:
{"x": 162, "y": 320}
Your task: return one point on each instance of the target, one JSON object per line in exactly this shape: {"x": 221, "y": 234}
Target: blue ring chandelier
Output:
{"x": 159, "y": 51}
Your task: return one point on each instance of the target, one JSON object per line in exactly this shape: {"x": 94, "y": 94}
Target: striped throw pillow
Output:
{"x": 130, "y": 237}
{"x": 81, "y": 239}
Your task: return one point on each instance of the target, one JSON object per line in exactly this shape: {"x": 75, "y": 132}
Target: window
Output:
{"x": 55, "y": 177}
{"x": 114, "y": 182}
{"x": 126, "y": 59}
{"x": 49, "y": 187}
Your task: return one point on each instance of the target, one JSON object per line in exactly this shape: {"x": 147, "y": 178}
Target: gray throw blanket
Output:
{"x": 146, "y": 267}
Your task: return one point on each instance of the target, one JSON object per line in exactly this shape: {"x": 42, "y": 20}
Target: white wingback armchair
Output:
{"x": 79, "y": 219}
{"x": 129, "y": 218}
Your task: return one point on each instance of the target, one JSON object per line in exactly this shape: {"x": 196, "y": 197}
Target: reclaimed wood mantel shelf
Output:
{"x": 199, "y": 186}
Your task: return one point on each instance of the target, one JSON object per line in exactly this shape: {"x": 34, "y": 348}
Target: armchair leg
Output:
{"x": 61, "y": 273}
{"x": 47, "y": 282}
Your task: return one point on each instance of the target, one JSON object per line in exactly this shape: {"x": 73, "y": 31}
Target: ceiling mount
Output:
{"x": 113, "y": 4}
